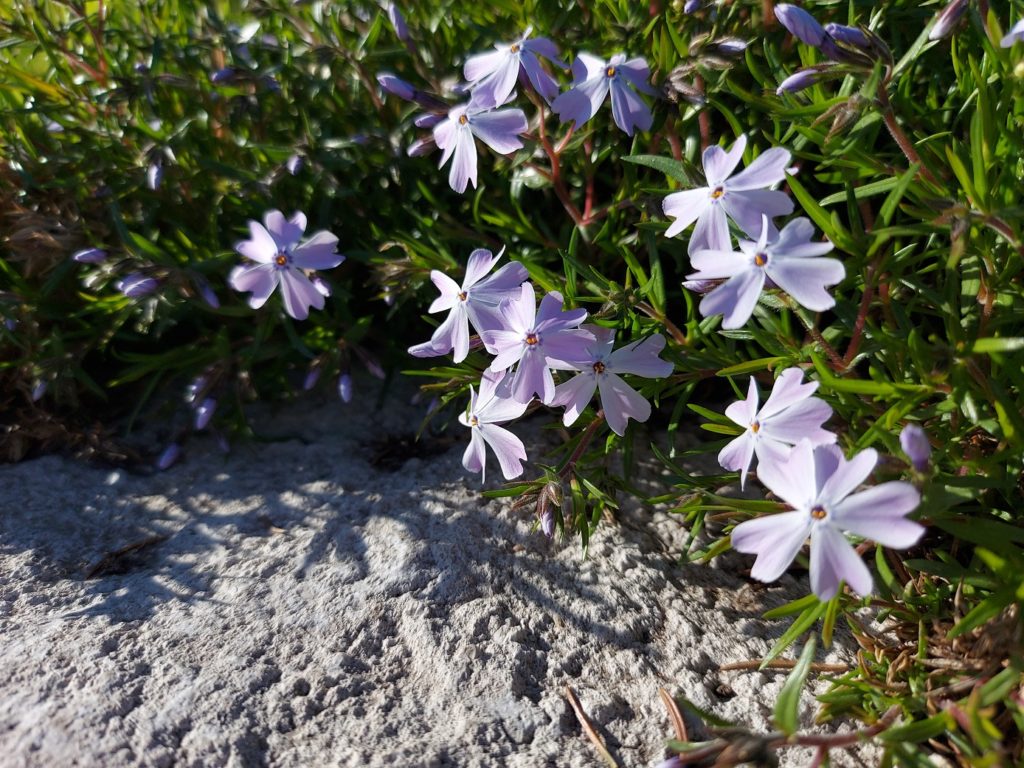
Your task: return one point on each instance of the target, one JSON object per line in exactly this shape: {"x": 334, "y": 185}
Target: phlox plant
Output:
{"x": 772, "y": 250}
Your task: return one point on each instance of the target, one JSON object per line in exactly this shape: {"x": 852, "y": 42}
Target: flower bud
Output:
{"x": 428, "y": 120}
{"x": 38, "y": 391}
{"x": 294, "y": 164}
{"x": 691, "y": 6}
{"x": 547, "y": 522}
{"x": 345, "y": 388}
{"x": 947, "y": 20}
{"x": 321, "y": 286}
{"x": 914, "y": 443}
{"x": 195, "y": 388}
{"x": 1015, "y": 35}
{"x": 137, "y": 285}
{"x": 222, "y": 76}
{"x": 312, "y": 377}
{"x": 801, "y": 24}
{"x": 154, "y": 175}
{"x": 396, "y": 86}
{"x": 205, "y": 412}
{"x": 421, "y": 147}
{"x": 398, "y": 22}
{"x": 168, "y": 458}
{"x": 851, "y": 36}
{"x": 804, "y": 78}
{"x": 89, "y": 256}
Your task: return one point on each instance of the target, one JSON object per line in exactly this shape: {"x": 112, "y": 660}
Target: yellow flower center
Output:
{"x": 818, "y": 512}
{"x": 532, "y": 338}
{"x": 281, "y": 260}
{"x": 463, "y": 296}
{"x": 463, "y": 119}
{"x": 474, "y": 421}
{"x": 760, "y": 259}
{"x": 514, "y": 48}
{"x": 755, "y": 426}
{"x": 598, "y": 367}
{"x": 717, "y": 193}
{"x": 610, "y": 72}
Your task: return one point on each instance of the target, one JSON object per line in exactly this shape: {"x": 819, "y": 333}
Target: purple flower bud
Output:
{"x": 396, "y": 86}
{"x": 89, "y": 256}
{"x": 800, "y": 24}
{"x": 205, "y": 412}
{"x": 398, "y": 22}
{"x": 421, "y": 147}
{"x": 914, "y": 443}
{"x": 168, "y": 458}
{"x": 321, "y": 285}
{"x": 428, "y": 121}
{"x": 294, "y": 164}
{"x": 206, "y": 292}
{"x": 222, "y": 443}
{"x": 672, "y": 762}
{"x": 732, "y": 45}
{"x": 140, "y": 68}
{"x": 851, "y": 36}
{"x": 373, "y": 367}
{"x": 10, "y": 323}
{"x": 311, "y": 379}
{"x": 154, "y": 175}
{"x": 948, "y": 19}
{"x": 691, "y": 6}
{"x": 804, "y": 78}
{"x": 547, "y": 523}
{"x": 38, "y": 391}
{"x": 345, "y": 388}
{"x": 195, "y": 388}
{"x": 699, "y": 286}
{"x": 137, "y": 285}
{"x": 222, "y": 76}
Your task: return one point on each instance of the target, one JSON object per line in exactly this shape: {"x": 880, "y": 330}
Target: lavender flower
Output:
{"x": 601, "y": 369}
{"x": 818, "y": 483}
{"x": 594, "y": 79}
{"x": 1015, "y": 35}
{"x": 492, "y": 76}
{"x": 947, "y": 19}
{"x": 914, "y": 442}
{"x": 312, "y": 377}
{"x": 536, "y": 340}
{"x": 547, "y": 522}
{"x": 791, "y": 261}
{"x": 790, "y": 415}
{"x": 137, "y": 285}
{"x": 39, "y": 390}
{"x": 396, "y": 86}
{"x": 280, "y": 259}
{"x": 89, "y": 256}
{"x": 850, "y": 36}
{"x": 476, "y": 301}
{"x": 744, "y": 198}
{"x": 498, "y": 129}
{"x": 487, "y": 410}
{"x": 222, "y": 76}
{"x": 691, "y": 6}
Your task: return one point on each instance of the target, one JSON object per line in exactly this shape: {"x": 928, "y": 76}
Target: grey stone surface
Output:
{"x": 302, "y": 607}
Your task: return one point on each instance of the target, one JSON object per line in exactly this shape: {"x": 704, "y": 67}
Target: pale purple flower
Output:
{"x": 1015, "y": 35}
{"x": 280, "y": 259}
{"x": 744, "y": 198}
{"x": 476, "y": 301}
{"x": 396, "y": 86}
{"x": 547, "y": 522}
{"x": 493, "y": 76}
{"x": 601, "y": 370}
{"x": 137, "y": 285}
{"x": 947, "y": 19}
{"x": 89, "y": 256}
{"x": 792, "y": 262}
{"x": 486, "y": 410}
{"x": 536, "y": 339}
{"x": 819, "y": 483}
{"x": 499, "y": 129}
{"x": 914, "y": 442}
{"x": 312, "y": 377}
{"x": 801, "y": 24}
{"x": 789, "y": 415}
{"x": 421, "y": 146}
{"x": 594, "y": 78}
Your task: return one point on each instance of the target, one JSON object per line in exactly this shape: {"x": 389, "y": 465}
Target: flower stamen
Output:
{"x": 598, "y": 367}
{"x": 760, "y": 259}
{"x": 532, "y": 339}
{"x": 281, "y": 260}
{"x": 463, "y": 119}
{"x": 474, "y": 421}
{"x": 717, "y": 192}
{"x": 514, "y": 48}
{"x": 755, "y": 426}
{"x": 463, "y": 295}
{"x": 610, "y": 72}
{"x": 818, "y": 512}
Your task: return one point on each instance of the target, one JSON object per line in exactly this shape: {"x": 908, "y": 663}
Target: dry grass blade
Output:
{"x": 674, "y": 715}
{"x": 588, "y": 728}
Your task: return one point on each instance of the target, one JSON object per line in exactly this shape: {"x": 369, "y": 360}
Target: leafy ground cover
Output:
{"x": 846, "y": 304}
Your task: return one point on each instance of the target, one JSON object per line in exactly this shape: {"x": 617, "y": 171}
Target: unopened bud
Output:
{"x": 89, "y": 256}
{"x": 312, "y": 377}
{"x": 222, "y": 76}
{"x": 914, "y": 442}
{"x": 852, "y": 36}
{"x": 801, "y": 24}
{"x": 205, "y": 412}
{"x": 137, "y": 285}
{"x": 294, "y": 164}
{"x": 398, "y": 22}
{"x": 396, "y": 86}
{"x": 321, "y": 285}
{"x": 421, "y": 147}
{"x": 168, "y": 458}
{"x": 38, "y": 391}
{"x": 154, "y": 175}
{"x": 798, "y": 81}
{"x": 947, "y": 20}
{"x": 345, "y": 388}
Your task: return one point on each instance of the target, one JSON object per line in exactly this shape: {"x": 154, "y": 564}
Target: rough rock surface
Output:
{"x": 291, "y": 604}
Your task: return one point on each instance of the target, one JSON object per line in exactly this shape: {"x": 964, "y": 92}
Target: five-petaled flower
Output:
{"x": 594, "y": 78}
{"x": 493, "y": 76}
{"x": 536, "y": 339}
{"x": 792, "y": 261}
{"x": 280, "y": 259}
{"x": 745, "y": 197}
{"x": 819, "y": 483}
{"x": 499, "y": 129}
{"x": 601, "y": 370}
{"x": 789, "y": 415}
{"x": 476, "y": 301}
{"x": 486, "y": 410}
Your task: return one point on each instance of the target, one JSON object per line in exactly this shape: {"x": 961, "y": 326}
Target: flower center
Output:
{"x": 717, "y": 192}
{"x": 463, "y": 119}
{"x": 818, "y": 512}
{"x": 514, "y": 48}
{"x": 755, "y": 426}
{"x": 463, "y": 296}
{"x": 760, "y": 259}
{"x": 598, "y": 367}
{"x": 282, "y": 259}
{"x": 610, "y": 72}
{"x": 532, "y": 339}
{"x": 474, "y": 421}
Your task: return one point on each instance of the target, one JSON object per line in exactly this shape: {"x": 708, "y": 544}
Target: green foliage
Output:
{"x": 912, "y": 168}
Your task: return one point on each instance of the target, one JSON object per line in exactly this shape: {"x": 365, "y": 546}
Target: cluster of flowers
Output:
{"x": 491, "y": 80}
{"x": 502, "y": 308}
